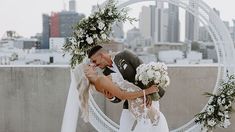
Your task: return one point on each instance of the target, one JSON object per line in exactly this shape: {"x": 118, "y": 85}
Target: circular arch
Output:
{"x": 223, "y": 44}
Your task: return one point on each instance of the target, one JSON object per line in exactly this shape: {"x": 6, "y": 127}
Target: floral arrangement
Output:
{"x": 153, "y": 73}
{"x": 94, "y": 30}
{"x": 219, "y": 107}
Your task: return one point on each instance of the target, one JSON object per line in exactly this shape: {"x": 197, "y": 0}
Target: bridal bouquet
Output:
{"x": 153, "y": 73}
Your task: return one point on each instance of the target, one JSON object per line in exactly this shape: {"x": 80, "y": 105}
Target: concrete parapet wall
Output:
{"x": 32, "y": 99}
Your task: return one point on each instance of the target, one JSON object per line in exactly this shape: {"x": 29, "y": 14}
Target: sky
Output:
{"x": 25, "y": 16}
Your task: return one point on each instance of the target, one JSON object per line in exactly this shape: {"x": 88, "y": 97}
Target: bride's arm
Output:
{"x": 103, "y": 82}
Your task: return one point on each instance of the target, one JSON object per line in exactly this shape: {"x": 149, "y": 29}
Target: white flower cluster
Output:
{"x": 94, "y": 30}
{"x": 153, "y": 72}
{"x": 217, "y": 112}
{"x": 222, "y": 105}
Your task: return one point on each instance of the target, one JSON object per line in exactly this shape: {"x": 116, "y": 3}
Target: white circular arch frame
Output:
{"x": 223, "y": 44}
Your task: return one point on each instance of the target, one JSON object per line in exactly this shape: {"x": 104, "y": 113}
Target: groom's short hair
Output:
{"x": 93, "y": 50}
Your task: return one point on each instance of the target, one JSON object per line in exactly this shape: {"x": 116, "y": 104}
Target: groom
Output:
{"x": 124, "y": 63}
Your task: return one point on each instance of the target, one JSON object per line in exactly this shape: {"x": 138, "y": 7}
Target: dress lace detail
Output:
{"x": 136, "y": 106}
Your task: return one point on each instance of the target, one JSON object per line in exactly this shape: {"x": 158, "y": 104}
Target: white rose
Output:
{"x": 140, "y": 77}
{"x": 95, "y": 36}
{"x": 140, "y": 67}
{"x": 82, "y": 53}
{"x": 93, "y": 28}
{"x": 157, "y": 67}
{"x": 150, "y": 73}
{"x": 223, "y": 101}
{"x": 211, "y": 122}
{"x": 78, "y": 33}
{"x": 220, "y": 114}
{"x": 110, "y": 13}
{"x": 219, "y": 101}
{"x": 210, "y": 109}
{"x": 164, "y": 73}
{"x": 226, "y": 114}
{"x": 226, "y": 123}
{"x": 101, "y": 25}
{"x": 89, "y": 40}
{"x": 145, "y": 81}
{"x": 136, "y": 77}
{"x": 229, "y": 92}
{"x": 204, "y": 116}
{"x": 222, "y": 95}
{"x": 157, "y": 75}
{"x": 167, "y": 83}
{"x": 73, "y": 47}
{"x": 73, "y": 40}
{"x": 164, "y": 67}
{"x": 210, "y": 101}
{"x": 156, "y": 81}
{"x": 76, "y": 52}
{"x": 103, "y": 36}
{"x": 226, "y": 107}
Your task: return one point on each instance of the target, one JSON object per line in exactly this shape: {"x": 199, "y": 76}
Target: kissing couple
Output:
{"x": 117, "y": 82}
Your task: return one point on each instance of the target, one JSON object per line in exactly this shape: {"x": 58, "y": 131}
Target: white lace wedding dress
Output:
{"x": 148, "y": 119}
{"x": 154, "y": 121}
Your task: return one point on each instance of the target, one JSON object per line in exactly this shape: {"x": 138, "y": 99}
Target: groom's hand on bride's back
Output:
{"x": 112, "y": 98}
{"x": 108, "y": 95}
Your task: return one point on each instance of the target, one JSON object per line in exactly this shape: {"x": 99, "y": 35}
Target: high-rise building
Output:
{"x": 217, "y": 12}
{"x": 230, "y": 30}
{"x": 118, "y": 32}
{"x": 154, "y": 22}
{"x": 162, "y": 26}
{"x": 145, "y": 22}
{"x": 160, "y": 20}
{"x": 59, "y": 25}
{"x": 132, "y": 34}
{"x": 54, "y": 25}
{"x": 45, "y": 31}
{"x": 135, "y": 40}
{"x": 173, "y": 24}
{"x": 226, "y": 23}
{"x": 72, "y": 6}
{"x": 233, "y": 32}
{"x": 192, "y": 23}
{"x": 204, "y": 34}
{"x": 66, "y": 21}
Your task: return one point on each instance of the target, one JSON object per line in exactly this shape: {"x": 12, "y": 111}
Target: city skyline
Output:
{"x": 25, "y": 16}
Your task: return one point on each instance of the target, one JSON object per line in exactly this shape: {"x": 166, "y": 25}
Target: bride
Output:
{"x": 148, "y": 119}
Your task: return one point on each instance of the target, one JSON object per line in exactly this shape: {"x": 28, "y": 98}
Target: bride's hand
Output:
{"x": 153, "y": 89}
{"x": 90, "y": 73}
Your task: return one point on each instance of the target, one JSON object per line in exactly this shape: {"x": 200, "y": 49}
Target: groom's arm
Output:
{"x": 112, "y": 98}
{"x": 135, "y": 61}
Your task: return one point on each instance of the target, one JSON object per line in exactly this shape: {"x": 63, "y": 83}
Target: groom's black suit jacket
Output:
{"x": 126, "y": 62}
